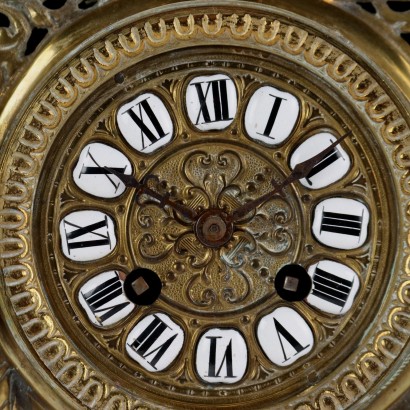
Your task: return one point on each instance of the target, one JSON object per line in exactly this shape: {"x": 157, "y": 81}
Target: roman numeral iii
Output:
{"x": 341, "y": 223}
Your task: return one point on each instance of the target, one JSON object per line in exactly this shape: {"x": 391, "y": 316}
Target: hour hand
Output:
{"x": 141, "y": 187}
{"x": 128, "y": 180}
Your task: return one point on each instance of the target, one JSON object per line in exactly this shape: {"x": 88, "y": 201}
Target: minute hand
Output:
{"x": 301, "y": 170}
{"x": 131, "y": 182}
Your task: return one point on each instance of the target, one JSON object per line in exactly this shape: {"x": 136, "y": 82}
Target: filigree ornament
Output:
{"x": 218, "y": 278}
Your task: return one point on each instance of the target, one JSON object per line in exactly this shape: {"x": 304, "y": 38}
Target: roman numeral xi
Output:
{"x": 149, "y": 126}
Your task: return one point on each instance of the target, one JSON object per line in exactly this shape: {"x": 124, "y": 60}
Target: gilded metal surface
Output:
{"x": 367, "y": 347}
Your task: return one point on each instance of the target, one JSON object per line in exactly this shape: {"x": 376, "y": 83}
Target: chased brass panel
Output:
{"x": 340, "y": 91}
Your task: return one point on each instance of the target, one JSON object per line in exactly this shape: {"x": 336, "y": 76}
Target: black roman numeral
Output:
{"x": 283, "y": 333}
{"x": 83, "y": 230}
{"x": 341, "y": 223}
{"x": 333, "y": 156}
{"x": 104, "y": 294}
{"x": 272, "y": 116}
{"x": 99, "y": 170}
{"x": 219, "y": 92}
{"x": 152, "y": 134}
{"x": 144, "y": 342}
{"x": 227, "y": 359}
{"x": 331, "y": 288}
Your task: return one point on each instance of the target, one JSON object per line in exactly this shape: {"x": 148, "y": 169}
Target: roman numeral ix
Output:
{"x": 83, "y": 230}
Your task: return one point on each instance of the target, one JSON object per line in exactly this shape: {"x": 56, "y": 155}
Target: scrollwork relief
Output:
{"x": 219, "y": 277}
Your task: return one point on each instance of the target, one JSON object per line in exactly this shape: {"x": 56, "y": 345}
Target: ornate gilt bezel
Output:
{"x": 28, "y": 130}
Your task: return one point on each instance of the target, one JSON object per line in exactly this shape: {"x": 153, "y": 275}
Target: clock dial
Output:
{"x": 133, "y": 268}
{"x": 219, "y": 305}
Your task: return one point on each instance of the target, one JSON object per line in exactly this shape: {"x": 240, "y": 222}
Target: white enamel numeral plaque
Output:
{"x": 334, "y": 287}
{"x": 103, "y": 299}
{"x": 155, "y": 342}
{"x": 221, "y": 356}
{"x": 91, "y": 176}
{"x": 271, "y": 115}
{"x": 341, "y": 223}
{"x": 331, "y": 169}
{"x": 87, "y": 235}
{"x": 211, "y": 102}
{"x": 145, "y": 123}
{"x": 284, "y": 336}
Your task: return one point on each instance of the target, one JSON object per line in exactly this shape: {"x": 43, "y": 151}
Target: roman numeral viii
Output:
{"x": 106, "y": 299}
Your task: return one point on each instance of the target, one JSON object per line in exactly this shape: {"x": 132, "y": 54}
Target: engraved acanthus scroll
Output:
{"x": 215, "y": 177}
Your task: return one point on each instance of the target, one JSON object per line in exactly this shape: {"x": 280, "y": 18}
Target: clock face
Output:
{"x": 162, "y": 291}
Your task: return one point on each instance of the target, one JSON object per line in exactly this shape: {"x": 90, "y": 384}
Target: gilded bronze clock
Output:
{"x": 205, "y": 205}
